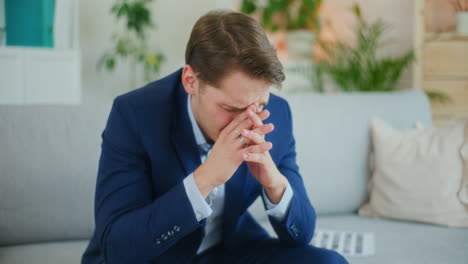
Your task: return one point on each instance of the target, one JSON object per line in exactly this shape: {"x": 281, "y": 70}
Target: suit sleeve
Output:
{"x": 280, "y": 209}
{"x": 132, "y": 226}
{"x": 298, "y": 226}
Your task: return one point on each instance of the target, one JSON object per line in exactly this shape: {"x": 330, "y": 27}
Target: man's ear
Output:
{"x": 190, "y": 80}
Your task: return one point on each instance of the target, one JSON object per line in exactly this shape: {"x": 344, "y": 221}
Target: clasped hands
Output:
{"x": 243, "y": 140}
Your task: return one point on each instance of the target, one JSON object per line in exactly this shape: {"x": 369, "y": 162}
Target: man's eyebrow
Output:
{"x": 233, "y": 107}
{"x": 242, "y": 109}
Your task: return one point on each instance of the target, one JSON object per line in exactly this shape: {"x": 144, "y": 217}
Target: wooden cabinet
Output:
{"x": 445, "y": 69}
{"x": 442, "y": 65}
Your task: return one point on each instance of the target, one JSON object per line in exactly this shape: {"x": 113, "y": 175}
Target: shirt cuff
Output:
{"x": 200, "y": 207}
{"x": 279, "y": 210}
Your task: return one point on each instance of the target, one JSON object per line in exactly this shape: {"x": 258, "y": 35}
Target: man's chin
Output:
{"x": 211, "y": 140}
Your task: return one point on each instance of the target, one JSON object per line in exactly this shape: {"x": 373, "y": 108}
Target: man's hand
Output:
{"x": 260, "y": 163}
{"x": 227, "y": 152}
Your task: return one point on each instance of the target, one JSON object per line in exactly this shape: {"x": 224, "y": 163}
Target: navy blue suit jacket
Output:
{"x": 142, "y": 212}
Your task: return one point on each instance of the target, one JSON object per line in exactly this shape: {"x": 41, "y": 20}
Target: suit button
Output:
{"x": 294, "y": 229}
{"x": 158, "y": 241}
{"x": 164, "y": 237}
{"x": 170, "y": 233}
{"x": 176, "y": 228}
{"x": 296, "y": 232}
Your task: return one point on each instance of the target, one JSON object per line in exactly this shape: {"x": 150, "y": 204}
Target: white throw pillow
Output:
{"x": 420, "y": 174}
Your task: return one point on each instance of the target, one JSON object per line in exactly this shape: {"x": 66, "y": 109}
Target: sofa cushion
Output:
{"x": 399, "y": 242}
{"x": 44, "y": 253}
{"x": 418, "y": 174}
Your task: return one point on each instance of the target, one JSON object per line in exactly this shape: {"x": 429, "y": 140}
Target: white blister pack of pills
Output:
{"x": 347, "y": 243}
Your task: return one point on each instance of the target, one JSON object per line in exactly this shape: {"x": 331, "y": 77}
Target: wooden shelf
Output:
{"x": 446, "y": 36}
{"x": 445, "y": 59}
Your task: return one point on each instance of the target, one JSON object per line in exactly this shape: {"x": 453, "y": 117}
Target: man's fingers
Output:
{"x": 264, "y": 114}
{"x": 254, "y": 157}
{"x": 265, "y": 129}
{"x": 254, "y": 117}
{"x": 245, "y": 124}
{"x": 254, "y": 137}
{"x": 236, "y": 121}
{"x": 260, "y": 148}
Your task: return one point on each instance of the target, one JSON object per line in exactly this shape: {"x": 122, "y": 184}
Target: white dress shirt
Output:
{"x": 212, "y": 208}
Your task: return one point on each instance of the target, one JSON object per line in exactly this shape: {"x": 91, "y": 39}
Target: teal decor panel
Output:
{"x": 29, "y": 22}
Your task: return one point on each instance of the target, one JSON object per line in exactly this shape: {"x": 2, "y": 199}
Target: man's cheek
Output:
{"x": 225, "y": 120}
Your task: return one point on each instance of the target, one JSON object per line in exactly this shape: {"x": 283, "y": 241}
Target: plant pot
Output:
{"x": 462, "y": 22}
{"x": 300, "y": 44}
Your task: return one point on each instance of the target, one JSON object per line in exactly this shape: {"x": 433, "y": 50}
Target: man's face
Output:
{"x": 215, "y": 107}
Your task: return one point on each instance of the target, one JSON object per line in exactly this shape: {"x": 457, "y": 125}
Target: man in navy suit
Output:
{"x": 184, "y": 157}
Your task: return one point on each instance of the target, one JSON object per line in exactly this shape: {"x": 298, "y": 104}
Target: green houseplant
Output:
{"x": 298, "y": 18}
{"x": 291, "y": 14}
{"x": 358, "y": 68}
{"x": 132, "y": 43}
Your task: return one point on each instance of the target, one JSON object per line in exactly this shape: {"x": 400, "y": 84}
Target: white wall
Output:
{"x": 175, "y": 19}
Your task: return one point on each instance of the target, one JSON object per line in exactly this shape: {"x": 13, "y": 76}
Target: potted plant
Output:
{"x": 132, "y": 44}
{"x": 358, "y": 68}
{"x": 298, "y": 18}
{"x": 461, "y": 9}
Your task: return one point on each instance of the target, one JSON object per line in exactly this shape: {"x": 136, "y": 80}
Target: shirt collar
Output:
{"x": 199, "y": 137}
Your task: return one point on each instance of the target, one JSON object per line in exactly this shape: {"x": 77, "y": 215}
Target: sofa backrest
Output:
{"x": 48, "y": 165}
{"x": 333, "y": 140}
{"x": 49, "y": 157}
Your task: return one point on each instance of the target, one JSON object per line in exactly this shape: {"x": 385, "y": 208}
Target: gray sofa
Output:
{"x": 49, "y": 157}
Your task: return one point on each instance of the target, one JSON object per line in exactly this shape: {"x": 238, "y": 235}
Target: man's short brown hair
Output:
{"x": 224, "y": 41}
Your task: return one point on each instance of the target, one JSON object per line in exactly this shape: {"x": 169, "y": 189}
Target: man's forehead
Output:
{"x": 241, "y": 90}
